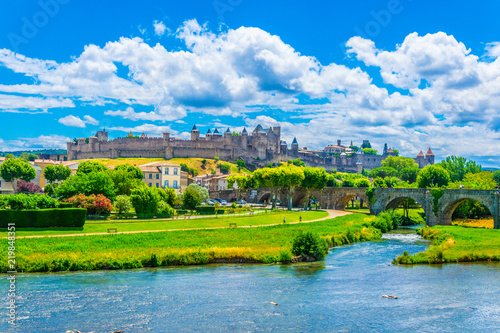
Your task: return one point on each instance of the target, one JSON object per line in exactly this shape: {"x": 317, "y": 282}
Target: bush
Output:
{"x": 43, "y": 218}
{"x": 387, "y": 221}
{"x": 191, "y": 198}
{"x": 205, "y": 210}
{"x": 95, "y": 204}
{"x": 123, "y": 204}
{"x": 65, "y": 205}
{"x": 362, "y": 182}
{"x": 309, "y": 244}
{"x": 28, "y": 201}
{"x": 28, "y": 188}
{"x": 145, "y": 201}
{"x": 164, "y": 209}
{"x": 50, "y": 189}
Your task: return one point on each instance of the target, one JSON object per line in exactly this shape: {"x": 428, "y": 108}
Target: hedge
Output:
{"x": 64, "y": 205}
{"x": 208, "y": 210}
{"x": 43, "y": 218}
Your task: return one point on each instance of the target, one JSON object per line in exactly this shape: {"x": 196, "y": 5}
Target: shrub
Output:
{"x": 145, "y": 201}
{"x": 191, "y": 198}
{"x": 28, "y": 201}
{"x": 307, "y": 243}
{"x": 28, "y": 188}
{"x": 387, "y": 221}
{"x": 50, "y": 189}
{"x": 205, "y": 210}
{"x": 65, "y": 205}
{"x": 362, "y": 182}
{"x": 164, "y": 209}
{"x": 43, "y": 218}
{"x": 123, "y": 204}
{"x": 95, "y": 204}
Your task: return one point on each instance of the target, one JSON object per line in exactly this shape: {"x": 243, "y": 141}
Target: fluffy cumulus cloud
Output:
{"x": 74, "y": 121}
{"x": 435, "y": 92}
{"x": 41, "y": 142}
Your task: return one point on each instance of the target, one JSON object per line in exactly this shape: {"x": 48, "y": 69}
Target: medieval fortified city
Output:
{"x": 250, "y": 166}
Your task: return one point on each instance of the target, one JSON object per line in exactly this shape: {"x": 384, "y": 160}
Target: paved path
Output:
{"x": 332, "y": 214}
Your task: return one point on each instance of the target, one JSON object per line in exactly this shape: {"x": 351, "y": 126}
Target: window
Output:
{"x": 166, "y": 171}
{"x": 166, "y": 183}
{"x": 175, "y": 171}
{"x": 157, "y": 176}
{"x": 150, "y": 176}
{"x": 150, "y": 185}
{"x": 0, "y": 183}
{"x": 157, "y": 185}
{"x": 175, "y": 182}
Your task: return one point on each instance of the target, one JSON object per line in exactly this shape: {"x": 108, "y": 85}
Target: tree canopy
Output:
{"x": 458, "y": 167}
{"x": 91, "y": 183}
{"x": 399, "y": 162}
{"x": 14, "y": 169}
{"x": 55, "y": 173}
{"x": 433, "y": 176}
{"x": 90, "y": 166}
{"x": 369, "y": 151}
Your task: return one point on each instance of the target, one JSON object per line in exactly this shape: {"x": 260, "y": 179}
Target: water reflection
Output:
{"x": 303, "y": 269}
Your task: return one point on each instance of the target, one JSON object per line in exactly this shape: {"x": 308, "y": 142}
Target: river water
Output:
{"x": 341, "y": 294}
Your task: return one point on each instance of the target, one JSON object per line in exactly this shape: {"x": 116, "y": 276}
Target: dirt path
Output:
{"x": 332, "y": 214}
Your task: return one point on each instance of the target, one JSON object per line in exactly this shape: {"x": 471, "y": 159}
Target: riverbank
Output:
{"x": 453, "y": 244}
{"x": 185, "y": 247}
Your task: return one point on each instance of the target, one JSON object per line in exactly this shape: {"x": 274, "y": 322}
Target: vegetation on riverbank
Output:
{"x": 453, "y": 244}
{"x": 90, "y": 227}
{"x": 187, "y": 247}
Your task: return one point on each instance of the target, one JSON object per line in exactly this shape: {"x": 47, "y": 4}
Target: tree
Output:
{"x": 409, "y": 174}
{"x": 354, "y": 148}
{"x": 479, "y": 181}
{"x": 332, "y": 181}
{"x": 133, "y": 171}
{"x": 241, "y": 182}
{"x": 314, "y": 178}
{"x": 291, "y": 177}
{"x": 203, "y": 192}
{"x": 90, "y": 166}
{"x": 124, "y": 181}
{"x": 496, "y": 176}
{"x": 296, "y": 162}
{"x": 28, "y": 157}
{"x": 9, "y": 155}
{"x": 379, "y": 182}
{"x": 384, "y": 172}
{"x": 399, "y": 162}
{"x": 91, "y": 183}
{"x": 433, "y": 176}
{"x": 14, "y": 169}
{"x": 224, "y": 168}
{"x": 369, "y": 151}
{"x": 240, "y": 163}
{"x": 123, "y": 204}
{"x": 362, "y": 182}
{"x": 191, "y": 198}
{"x": 55, "y": 173}
{"x": 145, "y": 201}
{"x": 265, "y": 178}
{"x": 458, "y": 167}
{"x": 391, "y": 182}
{"x": 28, "y": 188}
{"x": 167, "y": 195}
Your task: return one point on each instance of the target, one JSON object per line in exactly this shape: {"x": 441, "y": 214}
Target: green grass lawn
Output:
{"x": 456, "y": 244}
{"x": 264, "y": 244}
{"x": 181, "y": 223}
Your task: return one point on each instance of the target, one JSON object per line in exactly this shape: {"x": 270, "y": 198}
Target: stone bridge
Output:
{"x": 383, "y": 199}
{"x": 438, "y": 212}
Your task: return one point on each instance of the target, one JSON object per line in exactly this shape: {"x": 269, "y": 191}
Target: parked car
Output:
{"x": 242, "y": 202}
{"x": 223, "y": 202}
{"x": 218, "y": 200}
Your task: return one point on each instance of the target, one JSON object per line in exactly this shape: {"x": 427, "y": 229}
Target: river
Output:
{"x": 341, "y": 294}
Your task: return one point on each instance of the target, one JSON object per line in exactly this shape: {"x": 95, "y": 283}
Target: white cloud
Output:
{"x": 160, "y": 28}
{"x": 41, "y": 142}
{"x": 144, "y": 128}
{"x": 74, "y": 121}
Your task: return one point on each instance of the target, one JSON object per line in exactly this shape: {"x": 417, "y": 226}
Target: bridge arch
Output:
{"x": 264, "y": 196}
{"x": 449, "y": 206}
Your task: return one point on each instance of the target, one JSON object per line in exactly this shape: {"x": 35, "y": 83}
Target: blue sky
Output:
{"x": 414, "y": 74}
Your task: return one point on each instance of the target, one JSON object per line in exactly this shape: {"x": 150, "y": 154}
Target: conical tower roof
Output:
{"x": 429, "y": 152}
{"x": 244, "y": 130}
{"x": 209, "y": 131}
{"x": 194, "y": 128}
{"x": 294, "y": 141}
{"x": 228, "y": 131}
{"x": 420, "y": 154}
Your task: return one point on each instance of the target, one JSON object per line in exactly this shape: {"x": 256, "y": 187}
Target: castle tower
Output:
{"x": 295, "y": 147}
{"x": 420, "y": 160}
{"x": 166, "y": 137}
{"x": 359, "y": 166}
{"x": 216, "y": 133}
{"x": 208, "y": 136}
{"x": 244, "y": 138}
{"x": 102, "y": 136}
{"x": 283, "y": 147}
{"x": 195, "y": 134}
{"x": 429, "y": 156}
{"x": 385, "y": 149}
{"x": 227, "y": 136}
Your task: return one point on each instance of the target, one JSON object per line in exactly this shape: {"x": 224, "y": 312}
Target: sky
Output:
{"x": 410, "y": 73}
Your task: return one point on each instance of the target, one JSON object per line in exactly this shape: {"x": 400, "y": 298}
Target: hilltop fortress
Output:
{"x": 261, "y": 147}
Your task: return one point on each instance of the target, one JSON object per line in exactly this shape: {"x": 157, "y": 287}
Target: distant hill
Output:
{"x": 36, "y": 152}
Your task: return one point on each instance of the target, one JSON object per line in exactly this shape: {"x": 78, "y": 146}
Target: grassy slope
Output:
{"x": 456, "y": 244}
{"x": 190, "y": 162}
{"x": 265, "y": 244}
{"x": 221, "y": 221}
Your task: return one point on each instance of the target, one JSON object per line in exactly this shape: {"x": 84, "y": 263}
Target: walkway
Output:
{"x": 332, "y": 214}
